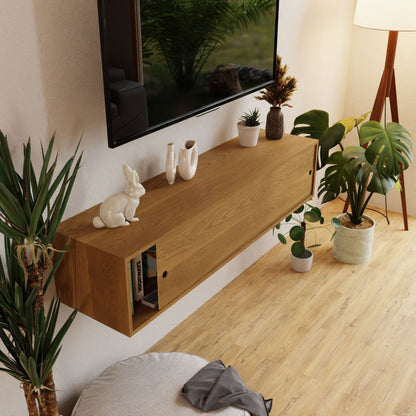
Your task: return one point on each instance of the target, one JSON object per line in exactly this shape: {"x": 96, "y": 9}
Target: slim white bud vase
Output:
{"x": 188, "y": 160}
{"x": 170, "y": 164}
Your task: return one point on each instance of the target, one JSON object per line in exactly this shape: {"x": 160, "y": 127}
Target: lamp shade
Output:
{"x": 397, "y": 15}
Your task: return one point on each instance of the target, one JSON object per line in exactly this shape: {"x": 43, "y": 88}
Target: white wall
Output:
{"x": 50, "y": 79}
{"x": 368, "y": 51}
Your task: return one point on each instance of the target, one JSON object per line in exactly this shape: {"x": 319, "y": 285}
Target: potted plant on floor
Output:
{"x": 361, "y": 171}
{"x": 249, "y": 128}
{"x": 31, "y": 208}
{"x": 277, "y": 95}
{"x": 304, "y": 219}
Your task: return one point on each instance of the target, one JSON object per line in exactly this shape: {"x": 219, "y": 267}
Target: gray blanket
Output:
{"x": 215, "y": 387}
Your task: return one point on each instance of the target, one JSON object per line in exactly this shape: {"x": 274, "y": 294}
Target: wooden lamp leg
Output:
{"x": 387, "y": 88}
{"x": 395, "y": 118}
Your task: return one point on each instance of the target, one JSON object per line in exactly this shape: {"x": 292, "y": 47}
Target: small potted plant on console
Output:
{"x": 249, "y": 128}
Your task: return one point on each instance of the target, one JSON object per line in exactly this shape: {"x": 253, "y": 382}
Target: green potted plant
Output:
{"x": 305, "y": 218}
{"x": 360, "y": 171}
{"x": 277, "y": 95}
{"x": 31, "y": 208}
{"x": 249, "y": 128}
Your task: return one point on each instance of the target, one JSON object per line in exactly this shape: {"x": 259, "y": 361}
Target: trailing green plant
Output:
{"x": 252, "y": 118}
{"x": 371, "y": 167}
{"x": 280, "y": 92}
{"x": 31, "y": 208}
{"x": 186, "y": 32}
{"x": 305, "y": 218}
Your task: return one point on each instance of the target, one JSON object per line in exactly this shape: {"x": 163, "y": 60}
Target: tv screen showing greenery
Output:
{"x": 164, "y": 60}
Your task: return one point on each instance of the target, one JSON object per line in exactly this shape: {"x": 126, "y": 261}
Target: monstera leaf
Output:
{"x": 340, "y": 176}
{"x": 351, "y": 122}
{"x": 315, "y": 124}
{"x": 388, "y": 148}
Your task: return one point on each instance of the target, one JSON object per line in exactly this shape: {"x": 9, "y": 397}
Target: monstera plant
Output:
{"x": 31, "y": 208}
{"x": 372, "y": 167}
{"x": 360, "y": 171}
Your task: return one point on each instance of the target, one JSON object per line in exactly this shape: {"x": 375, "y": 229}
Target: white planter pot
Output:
{"x": 303, "y": 264}
{"x": 353, "y": 246}
{"x": 248, "y": 135}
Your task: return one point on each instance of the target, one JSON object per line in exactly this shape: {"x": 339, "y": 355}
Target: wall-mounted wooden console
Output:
{"x": 237, "y": 195}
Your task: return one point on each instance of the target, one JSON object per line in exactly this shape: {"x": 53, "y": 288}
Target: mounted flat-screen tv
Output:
{"x": 166, "y": 60}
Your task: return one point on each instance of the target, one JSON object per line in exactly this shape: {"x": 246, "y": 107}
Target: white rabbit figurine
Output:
{"x": 118, "y": 209}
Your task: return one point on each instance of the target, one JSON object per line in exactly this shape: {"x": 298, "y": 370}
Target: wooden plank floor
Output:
{"x": 338, "y": 340}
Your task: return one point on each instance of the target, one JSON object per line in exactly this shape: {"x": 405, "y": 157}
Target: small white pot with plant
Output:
{"x": 305, "y": 218}
{"x": 249, "y": 128}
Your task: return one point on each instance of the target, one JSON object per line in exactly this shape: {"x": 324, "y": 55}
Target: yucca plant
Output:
{"x": 31, "y": 208}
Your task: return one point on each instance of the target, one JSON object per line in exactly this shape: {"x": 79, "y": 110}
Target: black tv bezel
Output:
{"x": 113, "y": 143}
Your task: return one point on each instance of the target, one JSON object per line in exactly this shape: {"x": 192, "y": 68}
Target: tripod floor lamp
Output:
{"x": 393, "y": 16}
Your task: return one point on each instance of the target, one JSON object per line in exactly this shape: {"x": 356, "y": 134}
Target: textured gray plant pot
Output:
{"x": 353, "y": 246}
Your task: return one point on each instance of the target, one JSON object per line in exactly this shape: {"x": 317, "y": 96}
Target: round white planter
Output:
{"x": 248, "y": 135}
{"x": 303, "y": 264}
{"x": 353, "y": 246}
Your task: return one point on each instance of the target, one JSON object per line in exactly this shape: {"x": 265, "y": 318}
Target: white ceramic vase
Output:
{"x": 353, "y": 246}
{"x": 170, "y": 164}
{"x": 248, "y": 135}
{"x": 301, "y": 264}
{"x": 188, "y": 160}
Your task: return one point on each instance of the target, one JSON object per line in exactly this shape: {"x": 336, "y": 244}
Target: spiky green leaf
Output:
{"x": 9, "y": 175}
{"x": 12, "y": 209}
{"x": 40, "y": 204}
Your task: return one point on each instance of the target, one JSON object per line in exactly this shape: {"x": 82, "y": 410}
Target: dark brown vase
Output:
{"x": 274, "y": 123}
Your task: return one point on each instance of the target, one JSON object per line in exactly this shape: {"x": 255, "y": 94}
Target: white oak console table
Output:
{"x": 197, "y": 226}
